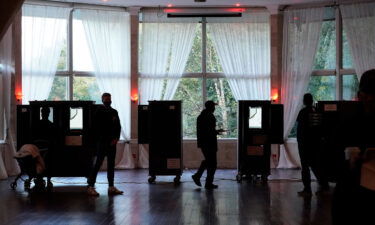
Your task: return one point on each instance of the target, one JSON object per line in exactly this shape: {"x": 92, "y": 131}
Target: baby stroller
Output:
{"x": 28, "y": 164}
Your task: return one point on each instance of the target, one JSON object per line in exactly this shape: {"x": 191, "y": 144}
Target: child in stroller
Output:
{"x": 31, "y": 163}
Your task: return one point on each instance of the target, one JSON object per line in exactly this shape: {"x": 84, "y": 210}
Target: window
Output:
{"x": 60, "y": 90}
{"x": 190, "y": 92}
{"x": 350, "y": 87}
{"x": 322, "y": 88}
{"x": 327, "y": 76}
{"x": 331, "y": 70}
{"x": 194, "y": 62}
{"x": 218, "y": 90}
{"x": 86, "y": 88}
{"x": 203, "y": 80}
{"x": 346, "y": 53}
{"x": 74, "y": 79}
{"x": 326, "y": 55}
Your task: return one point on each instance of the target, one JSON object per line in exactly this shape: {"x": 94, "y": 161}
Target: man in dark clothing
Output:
{"x": 108, "y": 128}
{"x": 308, "y": 140}
{"x": 207, "y": 142}
{"x": 353, "y": 200}
{"x": 45, "y": 130}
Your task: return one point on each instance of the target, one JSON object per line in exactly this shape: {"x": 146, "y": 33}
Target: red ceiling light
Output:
{"x": 174, "y": 10}
{"x": 236, "y": 10}
{"x": 169, "y": 5}
{"x": 237, "y": 4}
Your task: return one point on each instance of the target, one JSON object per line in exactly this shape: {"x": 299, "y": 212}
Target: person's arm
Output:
{"x": 116, "y": 129}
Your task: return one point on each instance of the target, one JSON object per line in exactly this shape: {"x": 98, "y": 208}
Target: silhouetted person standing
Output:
{"x": 207, "y": 142}
{"x": 45, "y": 130}
{"x": 308, "y": 147}
{"x": 108, "y": 128}
{"x": 354, "y": 198}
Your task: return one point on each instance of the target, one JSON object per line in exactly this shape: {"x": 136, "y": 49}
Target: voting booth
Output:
{"x": 260, "y": 124}
{"x": 67, "y": 135}
{"x": 160, "y": 126}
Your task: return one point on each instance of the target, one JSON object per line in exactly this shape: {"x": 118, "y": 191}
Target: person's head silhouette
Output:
{"x": 107, "y": 99}
{"x": 366, "y": 91}
{"x": 210, "y": 106}
{"x": 308, "y": 99}
{"x": 367, "y": 86}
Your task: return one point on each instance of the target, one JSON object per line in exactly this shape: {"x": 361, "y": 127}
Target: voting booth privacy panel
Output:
{"x": 260, "y": 124}
{"x": 68, "y": 138}
{"x": 160, "y": 126}
{"x": 343, "y": 124}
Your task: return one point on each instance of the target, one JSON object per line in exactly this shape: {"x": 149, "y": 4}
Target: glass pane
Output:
{"x": 190, "y": 92}
{"x": 325, "y": 57}
{"x": 81, "y": 53}
{"x": 86, "y": 88}
{"x": 76, "y": 118}
{"x": 59, "y": 90}
{"x": 350, "y": 87}
{"x": 194, "y": 63}
{"x": 255, "y": 117}
{"x": 347, "y": 61}
{"x": 62, "y": 64}
{"x": 322, "y": 87}
{"x": 213, "y": 61}
{"x": 218, "y": 90}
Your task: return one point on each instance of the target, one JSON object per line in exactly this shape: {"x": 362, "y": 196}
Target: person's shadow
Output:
{"x": 321, "y": 213}
{"x": 208, "y": 208}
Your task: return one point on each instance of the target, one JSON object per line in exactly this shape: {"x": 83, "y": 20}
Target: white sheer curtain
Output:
{"x": 108, "y": 37}
{"x": 301, "y": 35}
{"x": 182, "y": 41}
{"x": 165, "y": 47}
{"x": 154, "y": 54}
{"x": 43, "y": 32}
{"x": 359, "y": 24}
{"x": 8, "y": 166}
{"x": 243, "y": 47}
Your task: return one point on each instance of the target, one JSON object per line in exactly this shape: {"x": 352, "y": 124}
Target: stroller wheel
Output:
{"x": 13, "y": 185}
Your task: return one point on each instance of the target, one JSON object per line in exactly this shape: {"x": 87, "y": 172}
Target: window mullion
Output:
{"x": 339, "y": 83}
{"x": 70, "y": 54}
{"x": 204, "y": 59}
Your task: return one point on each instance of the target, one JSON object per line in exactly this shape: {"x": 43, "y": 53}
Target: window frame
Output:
{"x": 203, "y": 75}
{"x": 70, "y": 73}
{"x": 339, "y": 71}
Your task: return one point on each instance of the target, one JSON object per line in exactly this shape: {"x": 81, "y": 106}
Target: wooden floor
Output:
{"x": 275, "y": 203}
